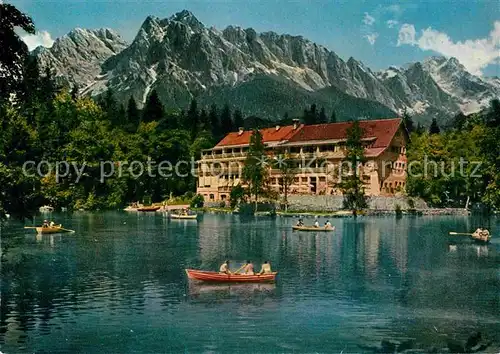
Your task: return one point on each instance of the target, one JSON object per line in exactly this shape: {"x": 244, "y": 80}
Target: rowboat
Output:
{"x": 50, "y": 229}
{"x": 149, "y": 208}
{"x": 215, "y": 277}
{"x": 180, "y": 216}
{"x": 313, "y": 228}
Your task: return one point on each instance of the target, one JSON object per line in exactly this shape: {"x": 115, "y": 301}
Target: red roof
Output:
{"x": 268, "y": 135}
{"x": 381, "y": 129}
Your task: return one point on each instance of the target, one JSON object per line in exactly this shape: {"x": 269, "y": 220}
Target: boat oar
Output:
{"x": 240, "y": 268}
{"x": 67, "y": 230}
{"x": 30, "y": 227}
{"x": 461, "y": 233}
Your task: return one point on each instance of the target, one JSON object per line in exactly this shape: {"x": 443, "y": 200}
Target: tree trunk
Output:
{"x": 286, "y": 196}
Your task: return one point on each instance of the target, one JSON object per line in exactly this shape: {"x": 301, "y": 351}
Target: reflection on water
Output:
{"x": 118, "y": 285}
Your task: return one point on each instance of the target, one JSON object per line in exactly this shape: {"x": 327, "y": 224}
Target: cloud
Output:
{"x": 474, "y": 54}
{"x": 42, "y": 38}
{"x": 391, "y": 23}
{"x": 368, "y": 20}
{"x": 371, "y": 38}
{"x": 406, "y": 35}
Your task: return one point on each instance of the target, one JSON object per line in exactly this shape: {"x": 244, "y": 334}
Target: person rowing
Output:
{"x": 224, "y": 268}
{"x": 266, "y": 268}
{"x": 248, "y": 269}
{"x": 316, "y": 223}
{"x": 300, "y": 223}
{"x": 328, "y": 225}
{"x": 481, "y": 234}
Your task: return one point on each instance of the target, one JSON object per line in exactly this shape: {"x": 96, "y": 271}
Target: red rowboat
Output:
{"x": 229, "y": 278}
{"x": 149, "y": 208}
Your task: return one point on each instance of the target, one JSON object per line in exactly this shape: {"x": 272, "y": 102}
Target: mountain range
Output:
{"x": 264, "y": 74}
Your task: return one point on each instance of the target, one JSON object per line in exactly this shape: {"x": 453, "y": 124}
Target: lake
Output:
{"x": 118, "y": 285}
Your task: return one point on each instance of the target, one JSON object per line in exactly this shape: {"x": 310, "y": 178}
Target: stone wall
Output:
{"x": 332, "y": 203}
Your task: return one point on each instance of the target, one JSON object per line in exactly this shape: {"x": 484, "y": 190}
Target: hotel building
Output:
{"x": 317, "y": 151}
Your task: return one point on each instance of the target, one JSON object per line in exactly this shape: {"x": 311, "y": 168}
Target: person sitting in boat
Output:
{"x": 481, "y": 234}
{"x": 266, "y": 268}
{"x": 52, "y": 224}
{"x": 224, "y": 268}
{"x": 300, "y": 223}
{"x": 248, "y": 269}
{"x": 328, "y": 225}
{"x": 45, "y": 223}
{"x": 316, "y": 223}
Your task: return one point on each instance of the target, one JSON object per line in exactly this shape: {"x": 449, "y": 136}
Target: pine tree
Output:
{"x": 48, "y": 87}
{"x": 333, "y": 117}
{"x": 110, "y": 107}
{"x": 238, "y": 120}
{"x": 153, "y": 109}
{"x": 133, "y": 117}
{"x": 351, "y": 183}
{"x": 254, "y": 169}
{"x": 193, "y": 119}
{"x": 311, "y": 115}
{"x": 75, "y": 92}
{"x": 215, "y": 124}
{"x": 225, "y": 120}
{"x": 408, "y": 122}
{"x": 322, "y": 116}
{"x": 204, "y": 120}
{"x": 434, "y": 128}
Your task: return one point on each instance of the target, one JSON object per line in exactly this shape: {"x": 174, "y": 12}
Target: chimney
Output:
{"x": 240, "y": 130}
{"x": 295, "y": 123}
{"x": 277, "y": 127}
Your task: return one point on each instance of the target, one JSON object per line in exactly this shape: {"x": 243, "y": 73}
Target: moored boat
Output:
{"x": 149, "y": 208}
{"x": 312, "y": 228}
{"x": 180, "y": 216}
{"x": 216, "y": 277}
{"x": 46, "y": 209}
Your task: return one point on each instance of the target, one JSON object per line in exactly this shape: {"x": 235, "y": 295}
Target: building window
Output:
{"x": 223, "y": 197}
{"x": 212, "y": 197}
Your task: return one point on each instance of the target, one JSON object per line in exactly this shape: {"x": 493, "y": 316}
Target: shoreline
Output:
{"x": 345, "y": 213}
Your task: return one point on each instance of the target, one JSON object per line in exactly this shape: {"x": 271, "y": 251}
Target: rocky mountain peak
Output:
{"x": 180, "y": 58}
{"x": 189, "y": 19}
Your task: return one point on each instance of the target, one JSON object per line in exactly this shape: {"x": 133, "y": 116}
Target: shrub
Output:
{"x": 197, "y": 201}
{"x": 399, "y": 212}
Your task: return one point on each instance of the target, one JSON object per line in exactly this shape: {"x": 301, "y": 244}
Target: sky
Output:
{"x": 378, "y": 33}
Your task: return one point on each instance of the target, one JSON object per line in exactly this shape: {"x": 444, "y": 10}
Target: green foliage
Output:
{"x": 434, "y": 128}
{"x": 408, "y": 122}
{"x": 254, "y": 170}
{"x": 237, "y": 196}
{"x": 288, "y": 171}
{"x": 398, "y": 210}
{"x": 462, "y": 164}
{"x": 153, "y": 110}
{"x": 351, "y": 183}
{"x": 197, "y": 201}
{"x": 13, "y": 51}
